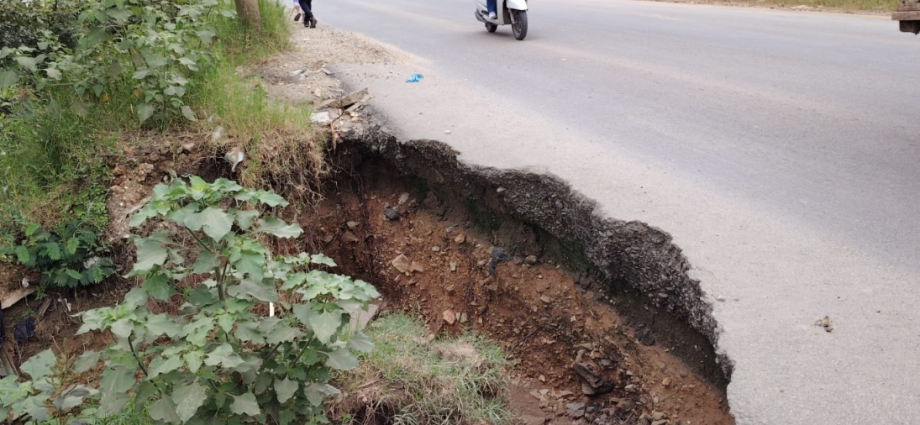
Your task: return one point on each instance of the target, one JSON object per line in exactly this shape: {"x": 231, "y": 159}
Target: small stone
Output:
{"x": 662, "y": 366}
{"x": 626, "y": 405}
{"x": 403, "y": 198}
{"x": 460, "y": 239}
{"x": 453, "y": 266}
{"x": 352, "y": 225}
{"x": 661, "y": 422}
{"x": 451, "y": 229}
{"x": 656, "y": 415}
{"x": 416, "y": 267}
{"x": 463, "y": 317}
{"x": 825, "y": 323}
{"x": 644, "y": 420}
{"x": 575, "y": 410}
{"x": 449, "y": 317}
{"x": 349, "y": 237}
{"x": 542, "y": 378}
{"x": 401, "y": 263}
{"x": 436, "y": 248}
{"x": 586, "y": 389}
{"x": 500, "y": 190}
{"x": 546, "y": 299}
{"x": 531, "y": 259}
{"x": 720, "y": 299}
{"x": 446, "y": 131}
{"x": 666, "y": 382}
{"x": 297, "y": 72}
{"x": 390, "y": 213}
{"x": 321, "y": 118}
{"x": 684, "y": 374}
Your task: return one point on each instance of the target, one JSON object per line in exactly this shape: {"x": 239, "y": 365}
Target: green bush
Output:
{"x": 68, "y": 258}
{"x": 220, "y": 359}
{"x": 23, "y": 21}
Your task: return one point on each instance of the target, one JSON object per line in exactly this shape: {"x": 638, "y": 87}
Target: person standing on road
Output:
{"x": 309, "y": 21}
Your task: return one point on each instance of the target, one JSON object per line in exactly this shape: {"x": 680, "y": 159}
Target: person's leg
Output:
{"x": 297, "y": 12}
{"x": 490, "y": 4}
{"x": 312, "y": 16}
{"x": 307, "y": 12}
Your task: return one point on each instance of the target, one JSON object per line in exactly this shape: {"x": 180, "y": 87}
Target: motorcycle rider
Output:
{"x": 490, "y": 4}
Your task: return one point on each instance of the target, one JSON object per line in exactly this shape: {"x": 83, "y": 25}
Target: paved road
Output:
{"x": 779, "y": 148}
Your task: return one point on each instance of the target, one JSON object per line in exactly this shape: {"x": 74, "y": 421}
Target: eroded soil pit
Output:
{"x": 458, "y": 260}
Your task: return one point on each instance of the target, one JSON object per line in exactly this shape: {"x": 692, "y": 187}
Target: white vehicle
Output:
{"x": 508, "y": 12}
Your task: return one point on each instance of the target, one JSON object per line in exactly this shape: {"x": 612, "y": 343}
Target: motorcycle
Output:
{"x": 512, "y": 12}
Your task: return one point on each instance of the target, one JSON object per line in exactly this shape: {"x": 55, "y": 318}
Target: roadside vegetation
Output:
{"x": 215, "y": 328}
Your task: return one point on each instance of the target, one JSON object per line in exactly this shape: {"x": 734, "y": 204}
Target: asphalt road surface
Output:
{"x": 779, "y": 148}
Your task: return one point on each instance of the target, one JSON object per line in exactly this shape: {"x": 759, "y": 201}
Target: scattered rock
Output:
{"x": 644, "y": 336}
{"x": 463, "y": 317}
{"x": 15, "y": 296}
{"x": 460, "y": 239}
{"x": 657, "y": 416}
{"x": 352, "y": 225}
{"x": 825, "y": 323}
{"x": 546, "y": 299}
{"x": 531, "y": 259}
{"x": 403, "y": 199}
{"x": 390, "y": 214}
{"x": 453, "y": 266}
{"x": 298, "y": 72}
{"x": 575, "y": 410}
{"x": 401, "y": 263}
{"x": 661, "y": 422}
{"x": 591, "y": 376}
{"x": 666, "y": 382}
{"x": 684, "y": 374}
{"x": 644, "y": 420}
{"x": 626, "y": 405}
{"x": 416, "y": 267}
{"x": 436, "y": 248}
{"x": 451, "y": 229}
{"x": 350, "y": 237}
{"x": 449, "y": 317}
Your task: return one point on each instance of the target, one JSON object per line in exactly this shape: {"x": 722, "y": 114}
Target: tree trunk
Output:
{"x": 248, "y": 12}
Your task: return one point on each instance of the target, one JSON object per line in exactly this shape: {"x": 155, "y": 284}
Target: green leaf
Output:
{"x": 86, "y": 361}
{"x": 245, "y": 404}
{"x": 150, "y": 252}
{"x": 303, "y": 312}
{"x": 53, "y": 73}
{"x": 249, "y": 289}
{"x": 22, "y": 255}
{"x": 160, "y": 366}
{"x": 322, "y": 259}
{"x": 164, "y": 410}
{"x": 188, "y": 398}
{"x": 277, "y": 227}
{"x": 285, "y": 389}
{"x": 316, "y": 393}
{"x": 206, "y": 262}
{"x": 8, "y": 78}
{"x": 27, "y": 62}
{"x": 325, "y": 324}
{"x": 188, "y": 114}
{"x": 244, "y": 218}
{"x": 162, "y": 324}
{"x": 145, "y": 111}
{"x": 361, "y": 343}
{"x": 158, "y": 286}
{"x": 116, "y": 381}
{"x": 271, "y": 199}
{"x": 341, "y": 359}
{"x": 213, "y": 221}
{"x": 225, "y": 356}
{"x": 193, "y": 359}
{"x": 39, "y": 365}
{"x": 249, "y": 332}
{"x": 202, "y": 296}
{"x": 197, "y": 331}
{"x": 122, "y": 327}
{"x": 136, "y": 297}
{"x": 283, "y": 333}
{"x": 205, "y": 35}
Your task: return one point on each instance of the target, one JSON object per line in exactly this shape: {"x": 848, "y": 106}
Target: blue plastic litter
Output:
{"x": 414, "y": 78}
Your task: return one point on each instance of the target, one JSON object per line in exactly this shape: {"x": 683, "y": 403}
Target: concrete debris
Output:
{"x": 531, "y": 259}
{"x": 345, "y": 101}
{"x": 217, "y": 134}
{"x": 15, "y": 296}
{"x": 321, "y": 118}
{"x": 403, "y": 199}
{"x": 825, "y": 323}
{"x": 416, "y": 267}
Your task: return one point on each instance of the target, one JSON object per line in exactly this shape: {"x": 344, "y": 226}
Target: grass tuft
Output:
{"x": 414, "y": 381}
